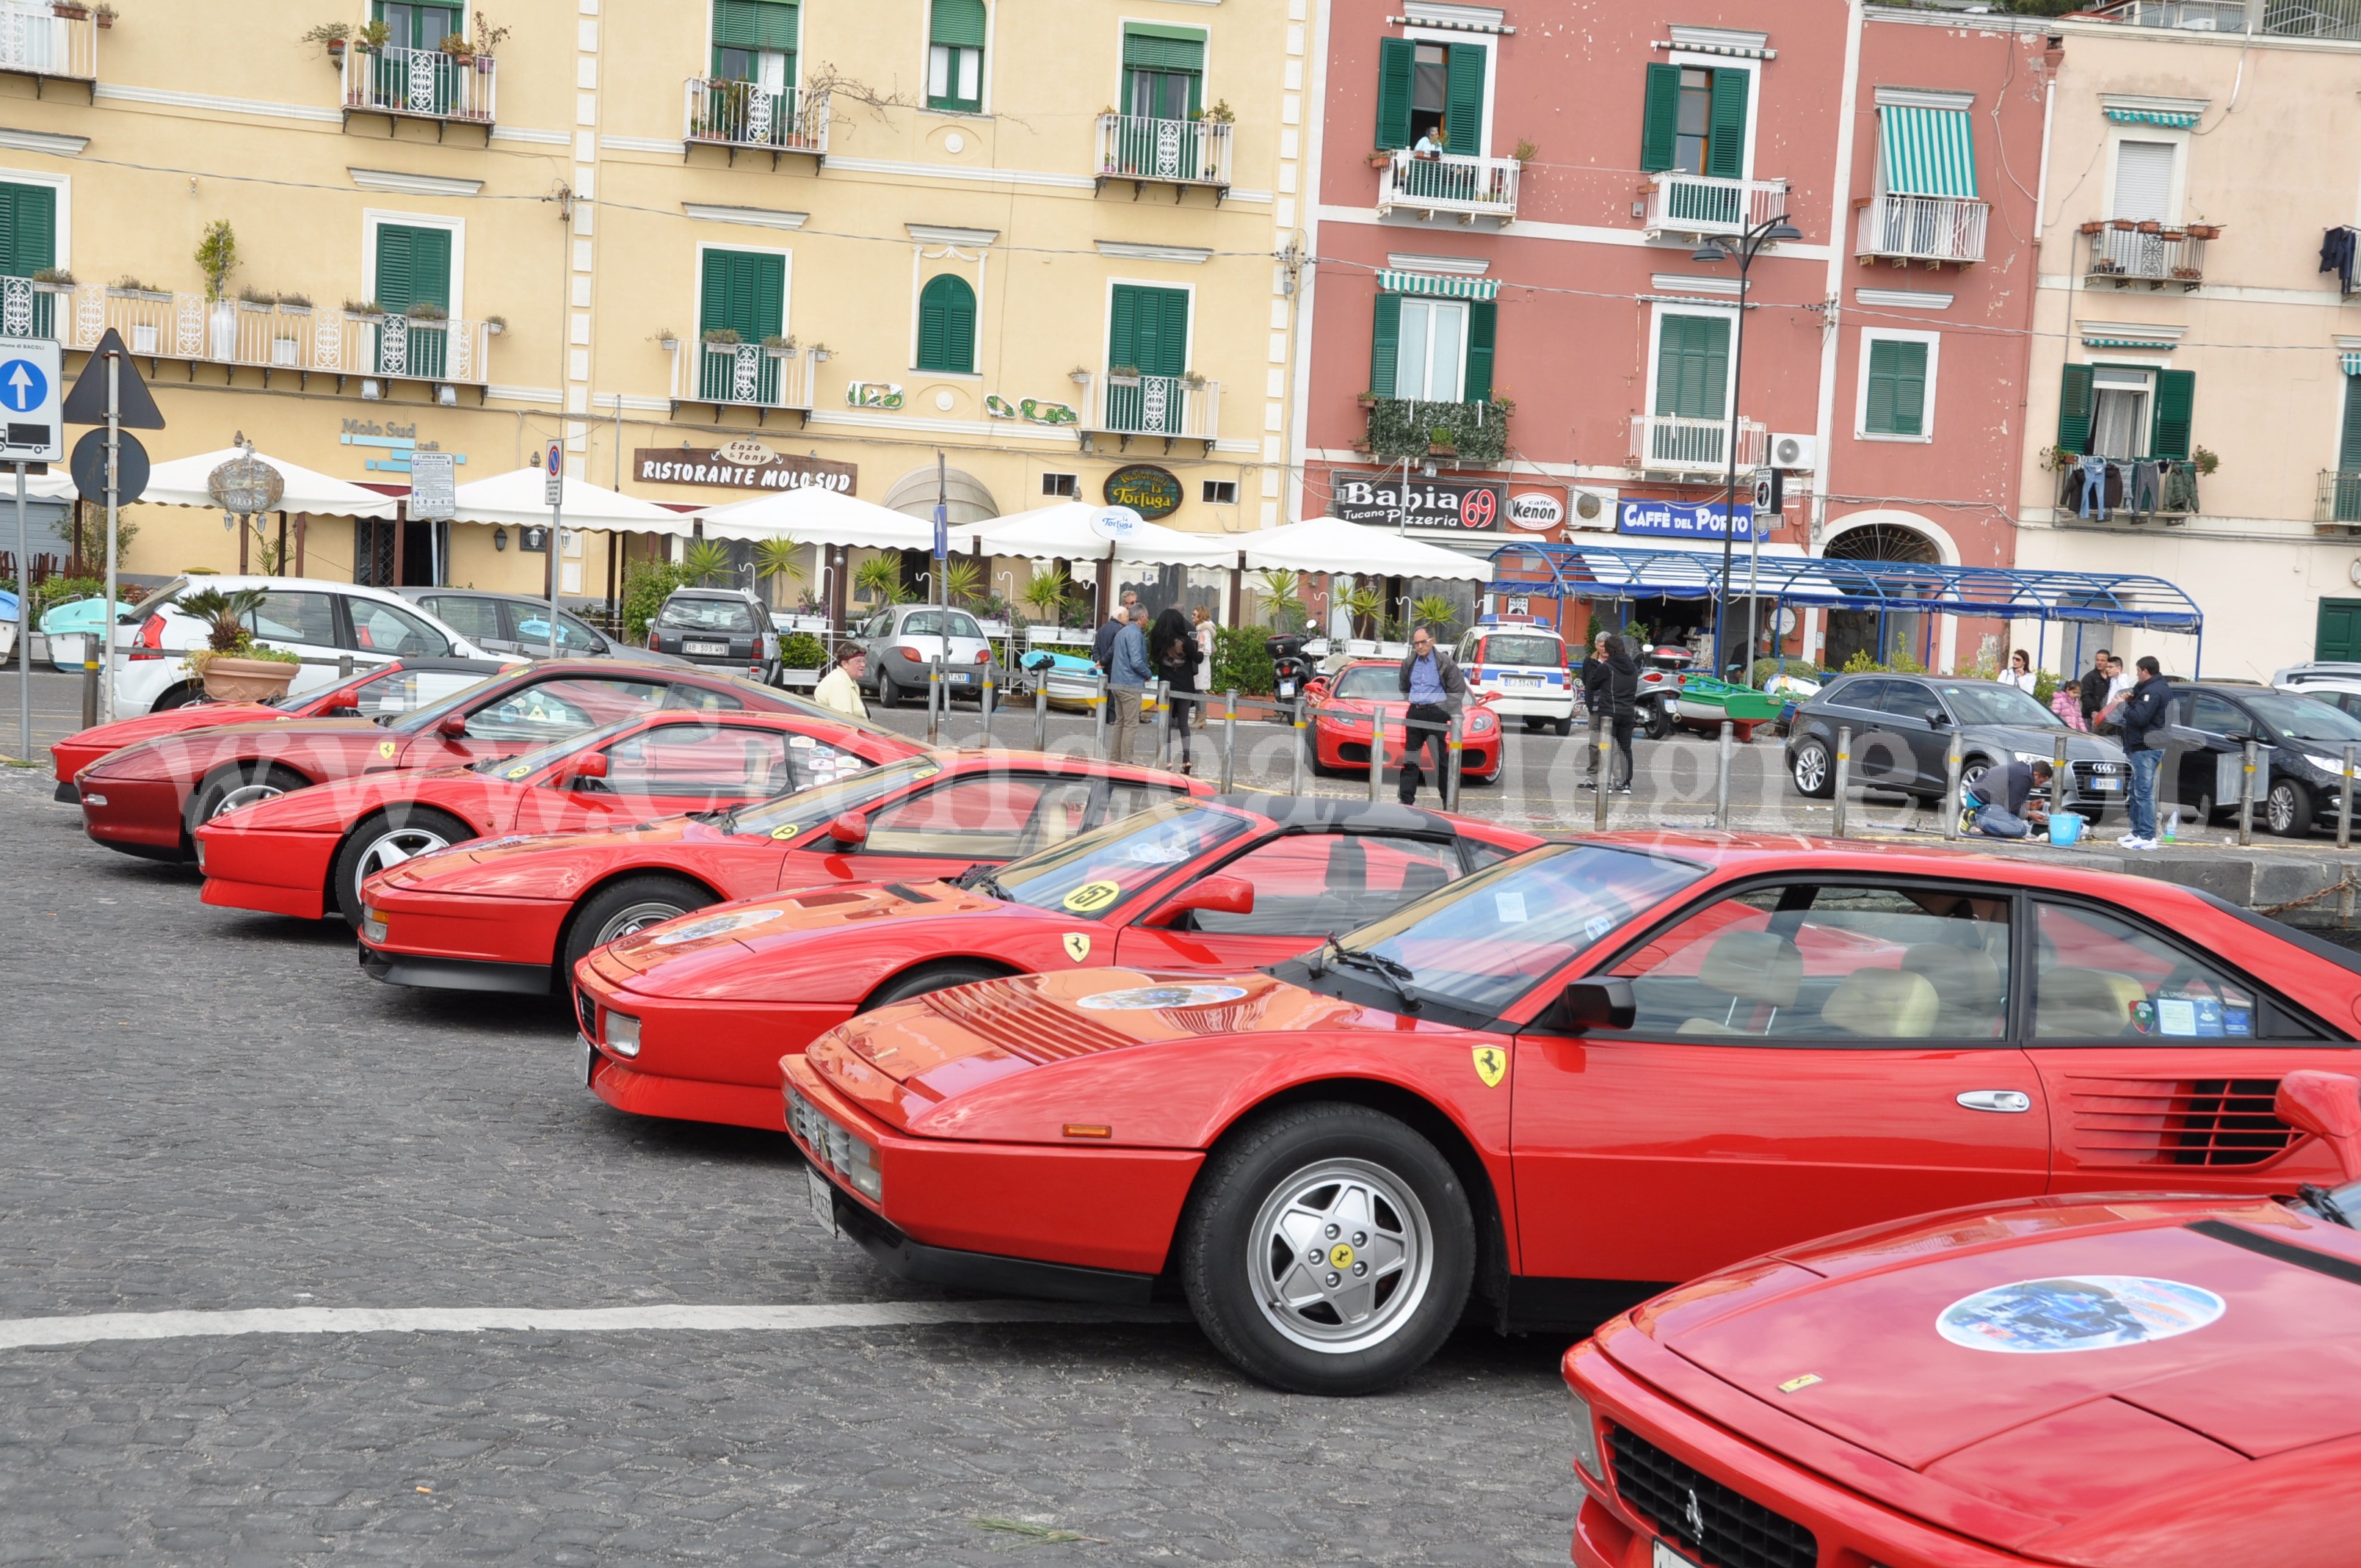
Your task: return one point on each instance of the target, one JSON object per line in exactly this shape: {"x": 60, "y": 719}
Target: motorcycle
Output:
{"x": 1289, "y": 668}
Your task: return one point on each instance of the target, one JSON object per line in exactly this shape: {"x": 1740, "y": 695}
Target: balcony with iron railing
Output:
{"x": 2124, "y": 253}
{"x": 2270, "y": 18}
{"x": 1675, "y": 443}
{"x": 1127, "y": 405}
{"x": 1146, "y": 150}
{"x": 1450, "y": 183}
{"x": 418, "y": 85}
{"x": 2122, "y": 492}
{"x": 1696, "y": 205}
{"x": 719, "y": 111}
{"x": 311, "y": 340}
{"x": 47, "y": 43}
{"x": 2339, "y": 505}
{"x": 765, "y": 377}
{"x": 1932, "y": 229}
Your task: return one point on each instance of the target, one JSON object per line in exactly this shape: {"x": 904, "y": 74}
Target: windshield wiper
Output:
{"x": 987, "y": 883}
{"x": 2323, "y": 1203}
{"x": 1394, "y": 972}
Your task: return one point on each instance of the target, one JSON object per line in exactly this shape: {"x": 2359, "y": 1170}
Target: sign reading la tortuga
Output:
{"x": 1474, "y": 506}
{"x": 743, "y": 464}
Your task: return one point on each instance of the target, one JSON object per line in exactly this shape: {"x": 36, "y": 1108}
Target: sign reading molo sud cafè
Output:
{"x": 1473, "y": 506}
{"x": 743, "y": 465}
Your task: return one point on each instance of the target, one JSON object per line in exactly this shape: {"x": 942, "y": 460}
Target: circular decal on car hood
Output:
{"x": 2090, "y": 1311}
{"x": 1145, "y": 997}
{"x": 714, "y": 926}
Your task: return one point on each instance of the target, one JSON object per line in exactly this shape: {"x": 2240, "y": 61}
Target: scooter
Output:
{"x": 1289, "y": 668}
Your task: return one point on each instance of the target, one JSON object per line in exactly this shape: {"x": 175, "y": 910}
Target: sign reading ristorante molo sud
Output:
{"x": 1476, "y": 506}
{"x": 743, "y": 464}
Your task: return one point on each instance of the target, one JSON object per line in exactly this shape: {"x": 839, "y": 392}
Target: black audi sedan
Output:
{"x": 1902, "y": 727}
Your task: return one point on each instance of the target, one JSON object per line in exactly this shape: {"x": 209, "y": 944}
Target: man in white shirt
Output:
{"x": 840, "y": 689}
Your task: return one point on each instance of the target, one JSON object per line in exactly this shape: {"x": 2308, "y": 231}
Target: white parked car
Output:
{"x": 312, "y": 616}
{"x": 1521, "y": 667}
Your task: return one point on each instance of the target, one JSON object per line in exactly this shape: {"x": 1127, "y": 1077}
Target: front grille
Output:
{"x": 1352, "y": 751}
{"x": 588, "y": 1011}
{"x": 1712, "y": 1523}
{"x": 2176, "y": 1121}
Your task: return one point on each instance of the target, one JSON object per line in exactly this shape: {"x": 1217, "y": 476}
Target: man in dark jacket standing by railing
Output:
{"x": 1437, "y": 692}
{"x": 2141, "y": 716}
{"x": 1593, "y": 702}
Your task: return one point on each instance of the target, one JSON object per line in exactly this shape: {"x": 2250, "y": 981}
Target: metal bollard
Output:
{"x": 983, "y": 703}
{"x": 90, "y": 683}
{"x": 1451, "y": 760}
{"x": 1841, "y": 781}
{"x": 1041, "y": 711}
{"x": 1606, "y": 779}
{"x": 1378, "y": 752}
{"x": 934, "y": 699}
{"x": 2062, "y": 775}
{"x": 1098, "y": 716}
{"x": 1229, "y": 738}
{"x": 1163, "y": 724}
{"x": 1723, "y": 759}
{"x": 2247, "y": 794}
{"x": 1295, "y": 784}
{"x": 1952, "y": 764}
{"x": 2344, "y": 802}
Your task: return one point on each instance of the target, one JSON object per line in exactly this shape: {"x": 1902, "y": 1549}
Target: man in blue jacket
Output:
{"x": 1128, "y": 680}
{"x": 2141, "y": 717}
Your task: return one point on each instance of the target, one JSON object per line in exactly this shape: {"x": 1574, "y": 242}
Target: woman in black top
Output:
{"x": 1172, "y": 649}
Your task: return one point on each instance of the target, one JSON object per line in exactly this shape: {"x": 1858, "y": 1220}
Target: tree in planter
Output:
{"x": 1367, "y": 605}
{"x": 1045, "y": 592}
{"x": 1282, "y": 592}
{"x": 226, "y": 633}
{"x": 217, "y": 255}
{"x": 706, "y": 559}
{"x": 1436, "y": 611}
{"x": 962, "y": 581}
{"x": 878, "y": 579}
{"x": 801, "y": 650}
{"x": 777, "y": 558}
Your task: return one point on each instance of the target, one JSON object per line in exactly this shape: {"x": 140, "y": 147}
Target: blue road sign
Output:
{"x": 23, "y": 386}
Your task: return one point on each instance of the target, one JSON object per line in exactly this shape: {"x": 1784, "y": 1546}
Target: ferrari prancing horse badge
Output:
{"x": 1492, "y": 1065}
{"x": 1078, "y": 946}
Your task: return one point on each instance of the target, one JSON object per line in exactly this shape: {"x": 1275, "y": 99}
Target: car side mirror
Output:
{"x": 1220, "y": 894}
{"x": 1587, "y": 1005}
{"x": 453, "y": 725}
{"x": 851, "y": 829}
{"x": 2328, "y": 1106}
{"x": 589, "y": 765}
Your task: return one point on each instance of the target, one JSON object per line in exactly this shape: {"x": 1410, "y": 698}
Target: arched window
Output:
{"x": 946, "y": 325}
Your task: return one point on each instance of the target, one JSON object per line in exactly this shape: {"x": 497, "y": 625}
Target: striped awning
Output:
{"x": 2176, "y": 119}
{"x": 2353, "y": 364}
{"x": 1928, "y": 152}
{"x": 1398, "y": 282}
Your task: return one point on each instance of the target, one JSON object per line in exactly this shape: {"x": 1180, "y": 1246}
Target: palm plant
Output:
{"x": 1282, "y": 589}
{"x": 962, "y": 581}
{"x": 224, "y": 615}
{"x": 1045, "y": 592}
{"x": 879, "y": 578}
{"x": 1437, "y": 611}
{"x": 777, "y": 558}
{"x": 1367, "y": 605}
{"x": 706, "y": 559}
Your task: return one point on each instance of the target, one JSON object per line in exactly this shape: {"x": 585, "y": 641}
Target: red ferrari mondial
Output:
{"x": 307, "y": 852}
{"x": 147, "y": 799}
{"x": 388, "y": 689}
{"x": 1340, "y": 716}
{"x": 515, "y": 915}
{"x": 688, "y": 1019}
{"x": 1602, "y": 1064}
{"x": 2130, "y": 1381}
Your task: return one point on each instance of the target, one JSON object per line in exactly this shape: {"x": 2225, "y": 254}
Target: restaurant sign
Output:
{"x": 1472, "y": 506}
{"x": 1151, "y": 491}
{"x": 1686, "y": 519}
{"x": 743, "y": 465}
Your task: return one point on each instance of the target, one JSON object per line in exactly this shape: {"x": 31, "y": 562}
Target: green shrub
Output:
{"x": 801, "y": 650}
{"x": 1400, "y": 428}
{"x": 2045, "y": 686}
{"x": 645, "y": 587}
{"x": 1241, "y": 663}
{"x": 55, "y": 591}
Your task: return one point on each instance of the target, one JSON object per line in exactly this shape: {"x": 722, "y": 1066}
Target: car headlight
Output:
{"x": 2333, "y": 766}
{"x": 833, "y": 1145}
{"x": 2034, "y": 757}
{"x": 90, "y": 799}
{"x": 623, "y": 1033}
{"x": 373, "y": 927}
{"x": 200, "y": 843}
{"x": 1586, "y": 1436}
{"x": 1482, "y": 721}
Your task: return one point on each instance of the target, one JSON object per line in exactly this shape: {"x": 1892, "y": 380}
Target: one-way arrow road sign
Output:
{"x": 29, "y": 431}
{"x": 86, "y": 404}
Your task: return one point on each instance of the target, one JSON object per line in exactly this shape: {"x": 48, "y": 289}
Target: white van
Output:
{"x": 1520, "y": 665}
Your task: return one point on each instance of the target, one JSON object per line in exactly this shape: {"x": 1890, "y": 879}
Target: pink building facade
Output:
{"x": 1506, "y": 213}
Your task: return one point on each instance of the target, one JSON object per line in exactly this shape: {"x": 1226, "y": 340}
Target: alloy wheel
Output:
{"x": 1811, "y": 769}
{"x": 1340, "y": 1254}
{"x": 397, "y": 845}
{"x": 634, "y": 917}
{"x": 243, "y": 794}
{"x": 2279, "y": 809}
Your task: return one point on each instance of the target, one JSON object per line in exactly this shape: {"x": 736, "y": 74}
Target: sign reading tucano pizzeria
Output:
{"x": 743, "y": 465}
{"x": 1151, "y": 491}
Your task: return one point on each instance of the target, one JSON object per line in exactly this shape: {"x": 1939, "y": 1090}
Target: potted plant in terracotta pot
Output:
{"x": 2094, "y": 225}
{"x": 232, "y": 668}
{"x": 2205, "y": 231}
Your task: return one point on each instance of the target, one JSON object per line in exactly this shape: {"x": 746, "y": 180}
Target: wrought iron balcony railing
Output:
{"x": 717, "y": 111}
{"x": 420, "y": 84}
{"x": 1921, "y": 228}
{"x": 2340, "y": 497}
{"x": 1450, "y": 183}
{"x": 2155, "y": 256}
{"x": 1675, "y": 443}
{"x": 1178, "y": 408}
{"x": 1700, "y": 205}
{"x": 743, "y": 375}
{"x": 1146, "y": 150}
{"x": 35, "y": 42}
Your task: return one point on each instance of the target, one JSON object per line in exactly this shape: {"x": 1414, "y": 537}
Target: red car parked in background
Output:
{"x": 517, "y": 915}
{"x": 1603, "y": 1064}
{"x": 2129, "y": 1381}
{"x": 147, "y": 799}
{"x": 1341, "y": 709}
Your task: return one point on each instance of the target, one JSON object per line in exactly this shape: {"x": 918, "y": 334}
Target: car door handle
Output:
{"x": 2003, "y": 1100}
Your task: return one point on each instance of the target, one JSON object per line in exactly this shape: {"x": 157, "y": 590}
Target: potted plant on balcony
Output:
{"x": 2123, "y": 225}
{"x": 69, "y": 10}
{"x": 1441, "y": 443}
{"x": 2205, "y": 231}
{"x": 495, "y": 324}
{"x": 488, "y": 38}
{"x": 721, "y": 336}
{"x": 230, "y": 666}
{"x": 1379, "y": 157}
{"x": 1193, "y": 379}
{"x": 373, "y": 37}
{"x": 1366, "y": 399}
{"x": 104, "y": 14}
{"x": 2094, "y": 226}
{"x": 456, "y": 46}
{"x": 2150, "y": 226}
{"x": 50, "y": 280}
{"x": 334, "y": 37}
{"x": 1123, "y": 375}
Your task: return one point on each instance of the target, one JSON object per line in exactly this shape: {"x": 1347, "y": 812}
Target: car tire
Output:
{"x": 181, "y": 695}
{"x": 889, "y": 695}
{"x": 2287, "y": 809}
{"x": 935, "y": 977}
{"x": 1972, "y": 769}
{"x": 1813, "y": 767}
{"x": 241, "y": 783}
{"x": 396, "y": 834}
{"x": 620, "y": 908}
{"x": 1533, "y": 722}
{"x": 1324, "y": 1174}
{"x": 1565, "y": 727}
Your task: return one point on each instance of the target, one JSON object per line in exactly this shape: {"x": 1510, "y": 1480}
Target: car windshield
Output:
{"x": 708, "y": 615}
{"x": 2302, "y": 717}
{"x": 1546, "y": 651}
{"x": 524, "y": 764}
{"x": 1486, "y": 939}
{"x": 1091, "y": 875}
{"x": 432, "y": 713}
{"x": 1370, "y": 683}
{"x": 1989, "y": 702}
{"x": 787, "y": 815}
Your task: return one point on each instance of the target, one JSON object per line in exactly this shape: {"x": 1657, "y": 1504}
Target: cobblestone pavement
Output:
{"x": 209, "y": 1110}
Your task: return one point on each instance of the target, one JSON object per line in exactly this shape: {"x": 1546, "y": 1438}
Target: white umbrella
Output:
{"x": 1063, "y": 531}
{"x": 1332, "y": 545}
{"x": 516, "y": 499}
{"x": 181, "y": 483}
{"x": 813, "y": 516}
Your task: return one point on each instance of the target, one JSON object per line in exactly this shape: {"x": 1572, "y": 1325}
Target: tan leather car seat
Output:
{"x": 1883, "y": 1003}
{"x": 2085, "y": 1004}
{"x": 1753, "y": 968}
{"x": 1967, "y": 985}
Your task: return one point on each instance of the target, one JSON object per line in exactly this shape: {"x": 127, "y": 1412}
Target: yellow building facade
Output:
{"x": 1056, "y": 243}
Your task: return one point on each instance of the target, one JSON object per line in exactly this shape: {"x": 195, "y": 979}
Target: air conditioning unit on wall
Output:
{"x": 1795, "y": 452}
{"x": 1594, "y": 507}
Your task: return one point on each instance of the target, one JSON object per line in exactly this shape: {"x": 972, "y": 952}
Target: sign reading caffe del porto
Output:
{"x": 1476, "y": 506}
{"x": 743, "y": 465}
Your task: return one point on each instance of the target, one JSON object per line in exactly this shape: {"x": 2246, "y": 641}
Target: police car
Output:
{"x": 1520, "y": 666}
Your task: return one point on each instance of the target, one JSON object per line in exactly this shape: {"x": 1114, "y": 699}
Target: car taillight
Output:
{"x": 655, "y": 640}
{"x": 983, "y": 656}
{"x": 911, "y": 651}
{"x": 151, "y": 635}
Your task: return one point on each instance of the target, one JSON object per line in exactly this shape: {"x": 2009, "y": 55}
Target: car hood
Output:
{"x": 2079, "y": 748}
{"x": 185, "y": 755}
{"x": 541, "y": 865}
{"x": 1995, "y": 1352}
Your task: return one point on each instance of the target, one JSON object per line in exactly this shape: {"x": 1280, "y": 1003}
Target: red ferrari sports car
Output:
{"x": 380, "y": 692}
{"x": 517, "y": 915}
{"x": 1339, "y": 713}
{"x": 1602, "y": 1064}
{"x": 688, "y": 1019}
{"x": 307, "y": 852}
{"x": 2130, "y": 1381}
{"x": 147, "y": 799}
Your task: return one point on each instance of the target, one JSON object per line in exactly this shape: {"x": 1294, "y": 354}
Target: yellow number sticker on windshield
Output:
{"x": 518, "y": 772}
{"x": 1093, "y": 897}
{"x": 785, "y": 830}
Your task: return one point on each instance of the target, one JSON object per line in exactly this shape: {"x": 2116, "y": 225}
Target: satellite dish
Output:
{"x": 1116, "y": 523}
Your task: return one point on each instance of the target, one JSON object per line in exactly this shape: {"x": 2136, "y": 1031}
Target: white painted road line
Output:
{"x": 17, "y": 1333}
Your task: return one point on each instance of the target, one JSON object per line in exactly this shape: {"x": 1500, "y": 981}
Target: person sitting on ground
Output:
{"x": 1996, "y": 804}
{"x": 2067, "y": 704}
{"x": 841, "y": 688}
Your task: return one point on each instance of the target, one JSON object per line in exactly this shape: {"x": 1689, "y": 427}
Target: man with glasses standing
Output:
{"x": 1437, "y": 692}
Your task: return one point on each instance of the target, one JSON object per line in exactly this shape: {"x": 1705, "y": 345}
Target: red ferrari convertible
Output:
{"x": 518, "y": 914}
{"x": 147, "y": 799}
{"x": 379, "y": 692}
{"x": 688, "y": 1019}
{"x": 306, "y": 852}
{"x": 1599, "y": 1065}
{"x": 2133, "y": 1381}
{"x": 1340, "y": 714}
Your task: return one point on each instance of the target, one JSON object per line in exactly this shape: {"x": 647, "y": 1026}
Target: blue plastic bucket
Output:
{"x": 2066, "y": 829}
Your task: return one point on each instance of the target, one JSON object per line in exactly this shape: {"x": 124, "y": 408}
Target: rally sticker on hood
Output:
{"x": 714, "y": 926}
{"x": 2092, "y": 1311}
{"x": 1147, "y": 998}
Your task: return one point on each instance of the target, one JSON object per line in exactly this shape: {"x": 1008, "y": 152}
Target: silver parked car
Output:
{"x": 904, "y": 640}
{"x": 510, "y": 623}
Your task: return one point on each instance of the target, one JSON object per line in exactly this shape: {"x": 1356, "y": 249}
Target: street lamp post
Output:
{"x": 1750, "y": 243}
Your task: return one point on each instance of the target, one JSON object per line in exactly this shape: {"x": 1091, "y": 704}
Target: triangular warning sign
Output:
{"x": 135, "y": 405}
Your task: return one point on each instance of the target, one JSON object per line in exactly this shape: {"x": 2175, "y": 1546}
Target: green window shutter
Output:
{"x": 1149, "y": 330}
{"x": 1483, "y": 317}
{"x": 1463, "y": 113}
{"x": 393, "y": 267}
{"x": 1156, "y": 47}
{"x": 1897, "y": 388}
{"x": 29, "y": 229}
{"x": 2074, "y": 409}
{"x": 1172, "y": 334}
{"x": 1724, "y": 155}
{"x": 959, "y": 23}
{"x": 1659, "y": 122}
{"x": 1395, "y": 58}
{"x": 1385, "y": 345}
{"x": 2348, "y": 450}
{"x": 754, "y": 24}
{"x": 946, "y": 325}
{"x": 1693, "y": 367}
{"x": 2176, "y": 392}
{"x": 745, "y": 291}
{"x": 1123, "y": 327}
